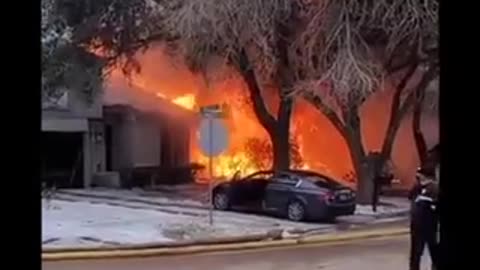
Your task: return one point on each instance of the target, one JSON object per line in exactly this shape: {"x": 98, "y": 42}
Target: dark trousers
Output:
{"x": 423, "y": 232}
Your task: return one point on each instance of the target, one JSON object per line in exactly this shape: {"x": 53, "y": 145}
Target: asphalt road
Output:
{"x": 386, "y": 253}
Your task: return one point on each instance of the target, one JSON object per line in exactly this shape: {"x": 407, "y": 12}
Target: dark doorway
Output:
{"x": 62, "y": 159}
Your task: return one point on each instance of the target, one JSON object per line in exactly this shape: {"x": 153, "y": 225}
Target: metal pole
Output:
{"x": 210, "y": 168}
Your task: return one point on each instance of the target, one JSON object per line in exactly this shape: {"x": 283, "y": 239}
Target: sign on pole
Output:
{"x": 213, "y": 137}
{"x": 213, "y": 141}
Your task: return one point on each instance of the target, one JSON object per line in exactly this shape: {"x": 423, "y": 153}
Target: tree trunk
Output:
{"x": 281, "y": 136}
{"x": 277, "y": 128}
{"x": 364, "y": 170}
{"x": 365, "y": 184}
{"x": 420, "y": 143}
{"x": 281, "y": 150}
{"x": 362, "y": 165}
{"x": 397, "y": 112}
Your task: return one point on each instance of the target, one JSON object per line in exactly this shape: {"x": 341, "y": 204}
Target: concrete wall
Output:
{"x": 146, "y": 141}
{"x": 142, "y": 139}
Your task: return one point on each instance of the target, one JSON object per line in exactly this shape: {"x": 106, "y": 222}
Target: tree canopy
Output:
{"x": 65, "y": 64}
{"x": 333, "y": 53}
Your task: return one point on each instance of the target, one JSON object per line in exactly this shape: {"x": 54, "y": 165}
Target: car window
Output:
{"x": 308, "y": 184}
{"x": 322, "y": 182}
{"x": 260, "y": 175}
{"x": 285, "y": 179}
{"x": 318, "y": 179}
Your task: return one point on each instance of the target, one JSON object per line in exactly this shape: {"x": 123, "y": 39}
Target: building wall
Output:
{"x": 122, "y": 134}
{"x": 97, "y": 146}
{"x": 177, "y": 136}
{"x": 146, "y": 141}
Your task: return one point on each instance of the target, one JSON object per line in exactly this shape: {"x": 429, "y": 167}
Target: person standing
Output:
{"x": 424, "y": 219}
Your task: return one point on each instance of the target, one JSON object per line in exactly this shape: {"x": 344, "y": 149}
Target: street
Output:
{"x": 386, "y": 253}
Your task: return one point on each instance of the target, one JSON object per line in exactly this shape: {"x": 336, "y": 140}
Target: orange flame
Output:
{"x": 321, "y": 147}
{"x": 186, "y": 101}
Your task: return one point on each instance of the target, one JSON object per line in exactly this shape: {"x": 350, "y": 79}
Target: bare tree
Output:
{"x": 334, "y": 53}
{"x": 253, "y": 37}
{"x": 346, "y": 52}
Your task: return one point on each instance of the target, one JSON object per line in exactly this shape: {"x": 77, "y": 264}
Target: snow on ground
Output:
{"x": 115, "y": 217}
{"x": 83, "y": 223}
{"x": 71, "y": 221}
{"x": 387, "y": 207}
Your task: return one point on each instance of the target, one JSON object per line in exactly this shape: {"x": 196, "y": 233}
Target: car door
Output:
{"x": 255, "y": 188}
{"x": 248, "y": 190}
{"x": 279, "y": 191}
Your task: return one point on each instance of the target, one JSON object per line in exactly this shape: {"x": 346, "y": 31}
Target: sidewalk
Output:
{"x": 93, "y": 224}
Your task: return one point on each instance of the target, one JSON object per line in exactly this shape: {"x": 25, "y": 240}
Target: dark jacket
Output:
{"x": 424, "y": 211}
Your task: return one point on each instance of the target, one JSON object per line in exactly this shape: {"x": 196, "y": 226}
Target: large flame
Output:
{"x": 319, "y": 145}
{"x": 186, "y": 101}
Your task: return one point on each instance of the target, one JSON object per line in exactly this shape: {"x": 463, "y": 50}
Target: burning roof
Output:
{"x": 120, "y": 92}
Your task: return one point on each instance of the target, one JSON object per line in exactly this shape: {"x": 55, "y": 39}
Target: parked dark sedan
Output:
{"x": 295, "y": 194}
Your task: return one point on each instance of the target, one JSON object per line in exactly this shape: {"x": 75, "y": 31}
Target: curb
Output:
{"x": 215, "y": 247}
{"x": 271, "y": 235}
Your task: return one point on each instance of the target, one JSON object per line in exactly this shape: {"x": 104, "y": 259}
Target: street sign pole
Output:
{"x": 210, "y": 168}
{"x": 213, "y": 141}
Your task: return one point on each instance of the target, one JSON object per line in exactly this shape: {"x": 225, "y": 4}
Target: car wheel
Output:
{"x": 221, "y": 200}
{"x": 296, "y": 211}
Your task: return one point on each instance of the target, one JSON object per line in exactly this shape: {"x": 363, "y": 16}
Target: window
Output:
{"x": 286, "y": 179}
{"x": 260, "y": 175}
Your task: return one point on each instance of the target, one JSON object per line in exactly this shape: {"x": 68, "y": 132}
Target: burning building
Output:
{"x": 151, "y": 120}
{"x": 119, "y": 139}
{"x": 146, "y": 136}
{"x": 319, "y": 146}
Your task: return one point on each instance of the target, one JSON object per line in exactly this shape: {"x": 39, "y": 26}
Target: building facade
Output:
{"x": 146, "y": 136}
{"x": 107, "y": 141}
{"x": 72, "y": 140}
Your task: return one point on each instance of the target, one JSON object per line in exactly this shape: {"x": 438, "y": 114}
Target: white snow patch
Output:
{"x": 366, "y": 210}
{"x": 85, "y": 223}
{"x": 72, "y": 221}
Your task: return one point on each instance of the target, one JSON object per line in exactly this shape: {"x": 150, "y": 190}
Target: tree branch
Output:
{"x": 412, "y": 96}
{"x": 396, "y": 115}
{"x": 327, "y": 111}
{"x": 259, "y": 107}
{"x": 417, "y": 130}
